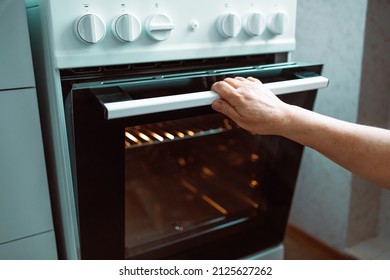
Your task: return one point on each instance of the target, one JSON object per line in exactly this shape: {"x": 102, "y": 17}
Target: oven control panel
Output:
{"x": 90, "y": 28}
{"x": 101, "y": 32}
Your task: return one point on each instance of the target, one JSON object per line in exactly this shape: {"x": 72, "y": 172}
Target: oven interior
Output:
{"x": 188, "y": 176}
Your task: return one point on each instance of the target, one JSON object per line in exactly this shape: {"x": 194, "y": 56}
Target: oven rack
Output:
{"x": 164, "y": 132}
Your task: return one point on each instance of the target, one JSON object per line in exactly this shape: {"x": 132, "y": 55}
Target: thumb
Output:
{"x": 225, "y": 108}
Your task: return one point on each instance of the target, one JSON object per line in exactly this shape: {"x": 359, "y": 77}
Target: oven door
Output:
{"x": 159, "y": 174}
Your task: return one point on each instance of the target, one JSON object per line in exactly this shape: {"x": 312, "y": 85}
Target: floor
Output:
{"x": 301, "y": 246}
{"x": 376, "y": 248}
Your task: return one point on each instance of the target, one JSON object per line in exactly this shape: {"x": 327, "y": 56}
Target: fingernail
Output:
{"x": 217, "y": 105}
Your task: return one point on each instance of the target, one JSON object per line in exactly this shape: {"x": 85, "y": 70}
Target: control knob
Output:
{"x": 90, "y": 28}
{"x": 277, "y": 23}
{"x": 229, "y": 25}
{"x": 255, "y": 24}
{"x": 127, "y": 28}
{"x": 159, "y": 27}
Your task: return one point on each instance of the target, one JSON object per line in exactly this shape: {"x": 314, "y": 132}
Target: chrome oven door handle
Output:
{"x": 123, "y": 109}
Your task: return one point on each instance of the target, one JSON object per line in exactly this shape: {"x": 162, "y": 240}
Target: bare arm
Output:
{"x": 363, "y": 150}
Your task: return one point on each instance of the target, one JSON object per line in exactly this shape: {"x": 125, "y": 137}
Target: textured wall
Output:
{"x": 370, "y": 205}
{"x": 352, "y": 39}
{"x": 330, "y": 32}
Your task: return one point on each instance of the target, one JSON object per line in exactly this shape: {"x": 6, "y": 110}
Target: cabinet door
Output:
{"x": 24, "y": 196}
{"x": 16, "y": 70}
{"x": 36, "y": 247}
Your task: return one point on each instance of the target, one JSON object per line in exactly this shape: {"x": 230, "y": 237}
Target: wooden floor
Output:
{"x": 301, "y": 246}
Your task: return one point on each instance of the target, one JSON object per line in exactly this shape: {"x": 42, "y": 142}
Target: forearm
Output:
{"x": 362, "y": 150}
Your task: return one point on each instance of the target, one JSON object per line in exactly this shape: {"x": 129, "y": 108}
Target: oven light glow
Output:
{"x": 214, "y": 204}
{"x": 206, "y": 198}
{"x": 169, "y": 136}
{"x": 208, "y": 172}
{"x": 158, "y": 137}
{"x": 131, "y": 137}
{"x": 227, "y": 124}
{"x": 255, "y": 157}
{"x": 188, "y": 186}
{"x": 181, "y": 161}
{"x": 143, "y": 136}
{"x": 180, "y": 134}
{"x": 253, "y": 183}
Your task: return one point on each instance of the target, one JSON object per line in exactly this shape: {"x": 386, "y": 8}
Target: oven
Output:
{"x": 141, "y": 167}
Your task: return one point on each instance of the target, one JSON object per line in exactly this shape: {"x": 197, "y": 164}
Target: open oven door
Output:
{"x": 159, "y": 174}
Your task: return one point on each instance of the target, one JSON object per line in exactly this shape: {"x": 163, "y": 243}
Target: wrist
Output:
{"x": 286, "y": 124}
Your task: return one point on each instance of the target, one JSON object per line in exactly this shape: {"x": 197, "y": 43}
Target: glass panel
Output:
{"x": 173, "y": 84}
{"x": 184, "y": 176}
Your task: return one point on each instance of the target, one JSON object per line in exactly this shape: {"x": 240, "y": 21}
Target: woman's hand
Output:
{"x": 252, "y": 106}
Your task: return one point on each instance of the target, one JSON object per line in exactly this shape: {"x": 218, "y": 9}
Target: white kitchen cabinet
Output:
{"x": 15, "y": 54}
{"x": 26, "y": 224}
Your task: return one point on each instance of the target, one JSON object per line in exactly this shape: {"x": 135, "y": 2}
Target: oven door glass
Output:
{"x": 186, "y": 177}
{"x": 157, "y": 177}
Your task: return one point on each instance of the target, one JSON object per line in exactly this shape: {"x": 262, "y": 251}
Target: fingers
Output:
{"x": 225, "y": 108}
{"x": 229, "y": 84}
{"x": 239, "y": 81}
{"x": 250, "y": 79}
{"x": 231, "y": 95}
{"x": 227, "y": 88}
{"x": 226, "y": 91}
{"x": 254, "y": 80}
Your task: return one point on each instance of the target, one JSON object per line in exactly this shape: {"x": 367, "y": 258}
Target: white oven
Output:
{"x": 140, "y": 166}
